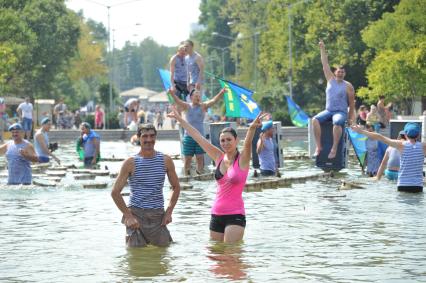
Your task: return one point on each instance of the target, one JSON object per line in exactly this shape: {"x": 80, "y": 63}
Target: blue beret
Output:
{"x": 412, "y": 130}
{"x": 15, "y": 126}
{"x": 45, "y": 121}
{"x": 267, "y": 125}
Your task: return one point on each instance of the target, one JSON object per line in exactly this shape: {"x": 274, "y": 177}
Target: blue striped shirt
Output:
{"x": 146, "y": 184}
{"x": 19, "y": 168}
{"x": 411, "y": 166}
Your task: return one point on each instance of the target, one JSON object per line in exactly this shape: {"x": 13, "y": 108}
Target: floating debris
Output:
{"x": 350, "y": 185}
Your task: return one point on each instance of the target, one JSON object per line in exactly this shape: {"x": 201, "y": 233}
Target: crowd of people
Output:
{"x": 145, "y": 216}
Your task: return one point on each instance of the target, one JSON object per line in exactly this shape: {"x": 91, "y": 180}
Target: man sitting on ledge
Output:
{"x": 339, "y": 95}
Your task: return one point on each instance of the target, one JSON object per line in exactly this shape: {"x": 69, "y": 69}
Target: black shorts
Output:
{"x": 410, "y": 189}
{"x": 126, "y": 109}
{"x": 218, "y": 223}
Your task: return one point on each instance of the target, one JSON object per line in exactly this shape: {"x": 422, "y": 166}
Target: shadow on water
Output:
{"x": 226, "y": 261}
{"x": 146, "y": 262}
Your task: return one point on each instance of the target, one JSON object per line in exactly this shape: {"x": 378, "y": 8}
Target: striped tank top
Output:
{"x": 146, "y": 184}
{"x": 18, "y": 167}
{"x": 411, "y": 165}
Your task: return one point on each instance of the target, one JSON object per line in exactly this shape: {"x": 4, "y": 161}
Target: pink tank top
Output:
{"x": 229, "y": 194}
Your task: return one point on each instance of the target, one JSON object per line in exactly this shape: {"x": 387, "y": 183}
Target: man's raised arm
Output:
{"x": 324, "y": 60}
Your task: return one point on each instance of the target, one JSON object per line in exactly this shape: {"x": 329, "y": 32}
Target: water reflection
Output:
{"x": 146, "y": 262}
{"x": 226, "y": 261}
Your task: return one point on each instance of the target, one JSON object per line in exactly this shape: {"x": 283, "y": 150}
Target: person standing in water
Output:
{"x": 391, "y": 161}
{"x": 41, "y": 142}
{"x": 195, "y": 114}
{"x": 266, "y": 150}
{"x": 410, "y": 178}
{"x": 340, "y": 95}
{"x": 228, "y": 220}
{"x": 144, "y": 216}
{"x": 19, "y": 154}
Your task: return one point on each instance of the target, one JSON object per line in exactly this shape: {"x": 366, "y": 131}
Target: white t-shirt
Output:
{"x": 27, "y": 110}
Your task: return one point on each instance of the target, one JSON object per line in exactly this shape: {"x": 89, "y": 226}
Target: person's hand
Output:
{"x": 174, "y": 114}
{"x": 321, "y": 44}
{"x": 357, "y": 128}
{"x": 172, "y": 90}
{"x": 24, "y": 153}
{"x": 167, "y": 218}
{"x": 262, "y": 137}
{"x": 257, "y": 123}
{"x": 222, "y": 91}
{"x": 198, "y": 86}
{"x": 131, "y": 221}
{"x": 350, "y": 122}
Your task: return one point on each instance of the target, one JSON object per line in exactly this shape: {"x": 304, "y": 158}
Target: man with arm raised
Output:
{"x": 340, "y": 95}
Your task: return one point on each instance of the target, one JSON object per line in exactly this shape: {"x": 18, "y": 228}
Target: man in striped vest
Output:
{"x": 144, "y": 216}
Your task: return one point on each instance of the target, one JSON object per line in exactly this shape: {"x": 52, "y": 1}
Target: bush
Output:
{"x": 112, "y": 120}
{"x": 282, "y": 116}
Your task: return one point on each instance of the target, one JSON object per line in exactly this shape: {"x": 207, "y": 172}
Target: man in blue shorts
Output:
{"x": 195, "y": 113}
{"x": 340, "y": 95}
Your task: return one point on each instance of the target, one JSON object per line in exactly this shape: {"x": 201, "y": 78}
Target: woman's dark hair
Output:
{"x": 229, "y": 130}
{"x": 146, "y": 127}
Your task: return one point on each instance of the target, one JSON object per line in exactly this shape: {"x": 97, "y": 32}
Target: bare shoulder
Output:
{"x": 128, "y": 164}
{"x": 168, "y": 161}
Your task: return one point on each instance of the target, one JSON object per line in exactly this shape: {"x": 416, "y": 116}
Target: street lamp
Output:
{"x": 290, "y": 59}
{"x": 234, "y": 42}
{"x": 223, "y": 49}
{"x": 109, "y": 48}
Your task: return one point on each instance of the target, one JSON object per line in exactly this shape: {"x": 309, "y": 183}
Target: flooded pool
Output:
{"x": 308, "y": 232}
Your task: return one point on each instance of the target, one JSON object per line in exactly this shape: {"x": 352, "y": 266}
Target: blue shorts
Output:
{"x": 391, "y": 174}
{"x": 88, "y": 162}
{"x": 338, "y": 117}
{"x": 191, "y": 147}
{"x": 27, "y": 124}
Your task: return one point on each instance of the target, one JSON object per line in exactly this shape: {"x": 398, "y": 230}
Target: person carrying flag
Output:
{"x": 195, "y": 113}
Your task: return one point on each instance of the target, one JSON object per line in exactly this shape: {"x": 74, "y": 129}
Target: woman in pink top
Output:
{"x": 99, "y": 117}
{"x": 227, "y": 215}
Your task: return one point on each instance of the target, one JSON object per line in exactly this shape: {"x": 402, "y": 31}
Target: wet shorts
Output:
{"x": 391, "y": 174}
{"x": 150, "y": 230}
{"x": 410, "y": 189}
{"x": 267, "y": 173}
{"x": 218, "y": 223}
{"x": 191, "y": 147}
{"x": 338, "y": 117}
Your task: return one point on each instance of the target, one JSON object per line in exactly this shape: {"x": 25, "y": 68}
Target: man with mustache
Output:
{"x": 144, "y": 216}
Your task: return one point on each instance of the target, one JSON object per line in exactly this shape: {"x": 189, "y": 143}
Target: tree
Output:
{"x": 399, "y": 43}
{"x": 104, "y": 94}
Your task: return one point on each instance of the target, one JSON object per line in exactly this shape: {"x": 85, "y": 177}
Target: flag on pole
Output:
{"x": 359, "y": 142}
{"x": 165, "y": 78}
{"x": 238, "y": 101}
{"x": 298, "y": 117}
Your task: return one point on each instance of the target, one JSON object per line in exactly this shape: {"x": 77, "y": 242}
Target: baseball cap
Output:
{"x": 266, "y": 125}
{"x": 15, "y": 126}
{"x": 412, "y": 130}
{"x": 45, "y": 120}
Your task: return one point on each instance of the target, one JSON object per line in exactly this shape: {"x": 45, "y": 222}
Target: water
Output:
{"x": 293, "y": 234}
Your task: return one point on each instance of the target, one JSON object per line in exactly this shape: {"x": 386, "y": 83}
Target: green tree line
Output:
{"x": 381, "y": 43}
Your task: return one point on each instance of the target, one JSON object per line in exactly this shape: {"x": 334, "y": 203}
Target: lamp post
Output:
{"x": 234, "y": 40}
{"x": 290, "y": 59}
{"x": 111, "y": 108}
{"x": 223, "y": 49}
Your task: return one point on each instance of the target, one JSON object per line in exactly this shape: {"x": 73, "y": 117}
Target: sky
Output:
{"x": 166, "y": 21}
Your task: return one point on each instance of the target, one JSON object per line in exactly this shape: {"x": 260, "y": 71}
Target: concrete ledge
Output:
{"x": 289, "y": 133}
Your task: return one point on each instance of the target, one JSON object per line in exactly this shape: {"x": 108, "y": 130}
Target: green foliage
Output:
{"x": 104, "y": 94}
{"x": 43, "y": 35}
{"x": 283, "y": 117}
{"x": 112, "y": 119}
{"x": 398, "y": 69}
